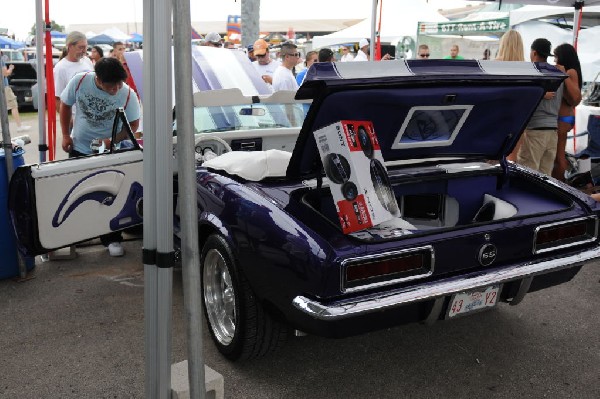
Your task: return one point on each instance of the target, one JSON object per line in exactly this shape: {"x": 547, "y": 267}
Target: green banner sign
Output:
{"x": 464, "y": 28}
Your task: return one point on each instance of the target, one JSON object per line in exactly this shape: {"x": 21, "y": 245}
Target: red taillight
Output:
{"x": 390, "y": 268}
{"x": 563, "y": 235}
{"x": 384, "y": 267}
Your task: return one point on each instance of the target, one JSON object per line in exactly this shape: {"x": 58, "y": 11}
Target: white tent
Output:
{"x": 530, "y": 12}
{"x": 116, "y": 34}
{"x": 398, "y": 20}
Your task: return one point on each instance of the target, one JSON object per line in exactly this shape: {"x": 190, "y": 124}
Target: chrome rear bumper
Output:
{"x": 433, "y": 290}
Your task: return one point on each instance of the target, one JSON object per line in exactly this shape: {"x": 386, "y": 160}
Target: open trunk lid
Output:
{"x": 424, "y": 108}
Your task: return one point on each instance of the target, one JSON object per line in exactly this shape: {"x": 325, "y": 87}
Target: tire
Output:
{"x": 238, "y": 324}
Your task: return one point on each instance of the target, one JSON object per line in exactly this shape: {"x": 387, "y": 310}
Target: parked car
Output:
{"x": 21, "y": 81}
{"x": 11, "y": 55}
{"x": 470, "y": 230}
{"x": 30, "y": 54}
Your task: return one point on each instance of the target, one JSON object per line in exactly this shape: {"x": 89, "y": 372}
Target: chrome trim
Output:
{"x": 358, "y": 306}
{"x": 374, "y": 258}
{"x": 544, "y": 226}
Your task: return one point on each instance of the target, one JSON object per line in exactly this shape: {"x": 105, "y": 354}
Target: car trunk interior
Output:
{"x": 460, "y": 199}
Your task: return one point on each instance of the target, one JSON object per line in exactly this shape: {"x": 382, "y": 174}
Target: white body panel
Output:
{"x": 78, "y": 198}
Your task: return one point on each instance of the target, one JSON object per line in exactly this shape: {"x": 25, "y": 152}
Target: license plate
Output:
{"x": 471, "y": 301}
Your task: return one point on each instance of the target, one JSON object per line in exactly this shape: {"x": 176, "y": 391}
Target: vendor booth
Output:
{"x": 472, "y": 37}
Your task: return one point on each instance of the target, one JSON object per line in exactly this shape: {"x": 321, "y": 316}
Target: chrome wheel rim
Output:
{"x": 219, "y": 297}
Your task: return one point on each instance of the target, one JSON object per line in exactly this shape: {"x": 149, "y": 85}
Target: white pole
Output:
{"x": 158, "y": 197}
{"x": 577, "y": 22}
{"x": 373, "y": 30}
{"x": 41, "y": 77}
{"x": 188, "y": 204}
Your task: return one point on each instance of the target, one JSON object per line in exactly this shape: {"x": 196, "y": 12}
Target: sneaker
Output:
{"x": 115, "y": 249}
{"x": 23, "y": 128}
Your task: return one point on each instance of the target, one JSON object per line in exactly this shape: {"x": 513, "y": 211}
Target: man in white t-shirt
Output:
{"x": 74, "y": 62}
{"x": 264, "y": 64}
{"x": 363, "y": 53}
{"x": 283, "y": 78}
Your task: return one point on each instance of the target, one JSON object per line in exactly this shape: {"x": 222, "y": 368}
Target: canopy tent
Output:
{"x": 101, "y": 39}
{"x": 397, "y": 22}
{"x": 563, "y": 3}
{"x": 531, "y": 12}
{"x": 117, "y": 34}
{"x": 472, "y": 36}
{"x": 8, "y": 43}
{"x": 57, "y": 34}
{"x": 136, "y": 38}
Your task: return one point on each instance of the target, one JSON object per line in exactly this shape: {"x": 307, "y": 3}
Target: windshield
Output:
{"x": 248, "y": 117}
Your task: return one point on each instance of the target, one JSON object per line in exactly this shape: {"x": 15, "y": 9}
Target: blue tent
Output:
{"x": 136, "y": 38}
{"x": 57, "y": 34}
{"x": 6, "y": 42}
{"x": 101, "y": 39}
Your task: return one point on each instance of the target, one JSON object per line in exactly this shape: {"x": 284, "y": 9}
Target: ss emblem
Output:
{"x": 487, "y": 254}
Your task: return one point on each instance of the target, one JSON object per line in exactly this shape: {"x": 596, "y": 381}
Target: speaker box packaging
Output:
{"x": 357, "y": 175}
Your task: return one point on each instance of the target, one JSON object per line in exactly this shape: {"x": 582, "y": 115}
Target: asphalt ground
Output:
{"x": 75, "y": 329}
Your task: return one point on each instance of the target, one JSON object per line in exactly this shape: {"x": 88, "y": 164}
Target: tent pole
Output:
{"x": 158, "y": 198}
{"x": 577, "y": 15}
{"x": 188, "y": 204}
{"x": 373, "y": 27}
{"x": 41, "y": 78}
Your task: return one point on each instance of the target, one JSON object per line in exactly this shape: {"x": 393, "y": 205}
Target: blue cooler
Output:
{"x": 9, "y": 263}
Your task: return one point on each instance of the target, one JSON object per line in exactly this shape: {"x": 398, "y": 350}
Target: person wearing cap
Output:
{"x": 250, "y": 53}
{"x": 264, "y": 64}
{"x": 283, "y": 78}
{"x": 363, "y": 51}
{"x": 363, "y": 54}
{"x": 538, "y": 142}
{"x": 213, "y": 39}
{"x": 346, "y": 54}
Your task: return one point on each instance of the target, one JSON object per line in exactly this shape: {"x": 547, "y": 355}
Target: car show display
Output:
{"x": 464, "y": 229}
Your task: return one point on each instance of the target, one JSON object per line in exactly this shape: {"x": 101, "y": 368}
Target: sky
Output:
{"x": 20, "y": 16}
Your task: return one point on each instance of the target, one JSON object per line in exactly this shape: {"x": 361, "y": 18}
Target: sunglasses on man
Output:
{"x": 426, "y": 55}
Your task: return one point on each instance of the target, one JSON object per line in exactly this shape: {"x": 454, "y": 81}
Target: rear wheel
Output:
{"x": 238, "y": 324}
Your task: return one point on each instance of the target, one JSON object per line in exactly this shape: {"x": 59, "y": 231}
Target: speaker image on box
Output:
{"x": 337, "y": 169}
{"x": 383, "y": 187}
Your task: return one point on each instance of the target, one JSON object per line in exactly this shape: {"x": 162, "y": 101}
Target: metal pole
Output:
{"x": 577, "y": 22}
{"x": 158, "y": 197}
{"x": 41, "y": 77}
{"x": 187, "y": 201}
{"x": 373, "y": 27}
